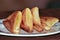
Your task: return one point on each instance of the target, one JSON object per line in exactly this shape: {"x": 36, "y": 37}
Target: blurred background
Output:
{"x": 9, "y": 5}
{"x": 49, "y": 7}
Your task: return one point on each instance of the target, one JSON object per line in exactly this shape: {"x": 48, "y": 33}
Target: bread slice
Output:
{"x": 48, "y": 22}
{"x": 35, "y": 13}
{"x": 36, "y": 19}
{"x": 12, "y": 22}
{"x": 27, "y": 23}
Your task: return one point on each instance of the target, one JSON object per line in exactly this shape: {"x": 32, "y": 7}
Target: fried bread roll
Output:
{"x": 48, "y": 22}
{"x": 27, "y": 23}
{"x": 36, "y": 19}
{"x": 12, "y": 23}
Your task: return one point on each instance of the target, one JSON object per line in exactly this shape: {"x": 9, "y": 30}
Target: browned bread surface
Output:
{"x": 36, "y": 19}
{"x": 48, "y": 22}
{"x": 12, "y": 22}
{"x": 27, "y": 23}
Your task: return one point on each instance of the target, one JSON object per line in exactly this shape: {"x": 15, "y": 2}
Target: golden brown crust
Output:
{"x": 36, "y": 19}
{"x": 48, "y": 22}
{"x": 27, "y": 24}
{"x": 12, "y": 23}
{"x": 28, "y": 20}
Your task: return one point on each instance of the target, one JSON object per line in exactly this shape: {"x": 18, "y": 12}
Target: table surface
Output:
{"x": 44, "y": 12}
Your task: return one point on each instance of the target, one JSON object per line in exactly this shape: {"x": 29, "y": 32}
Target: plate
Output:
{"x": 54, "y": 30}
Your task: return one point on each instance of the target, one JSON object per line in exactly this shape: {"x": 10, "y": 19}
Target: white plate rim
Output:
{"x": 31, "y": 35}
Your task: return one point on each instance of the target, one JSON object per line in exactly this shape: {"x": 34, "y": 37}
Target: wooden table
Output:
{"x": 45, "y": 12}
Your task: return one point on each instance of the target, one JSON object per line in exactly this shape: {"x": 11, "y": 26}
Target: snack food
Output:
{"x": 12, "y": 23}
{"x": 27, "y": 20}
{"x": 36, "y": 19}
{"x": 48, "y": 22}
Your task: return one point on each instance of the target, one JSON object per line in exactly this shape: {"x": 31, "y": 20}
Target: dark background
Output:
{"x": 8, "y": 5}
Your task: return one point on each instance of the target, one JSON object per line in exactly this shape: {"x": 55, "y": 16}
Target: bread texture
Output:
{"x": 28, "y": 20}
{"x": 13, "y": 22}
{"x": 48, "y": 22}
{"x": 27, "y": 23}
{"x": 36, "y": 19}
